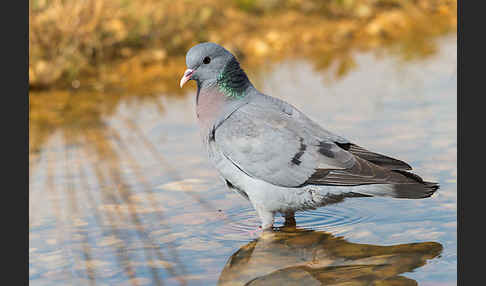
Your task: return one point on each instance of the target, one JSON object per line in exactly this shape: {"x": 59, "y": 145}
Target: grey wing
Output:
{"x": 362, "y": 172}
{"x": 272, "y": 142}
{"x": 278, "y": 144}
{"x": 326, "y": 136}
{"x": 375, "y": 158}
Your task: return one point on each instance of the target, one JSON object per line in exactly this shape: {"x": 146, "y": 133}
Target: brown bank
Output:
{"x": 101, "y": 44}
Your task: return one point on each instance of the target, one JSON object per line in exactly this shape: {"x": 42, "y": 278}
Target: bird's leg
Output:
{"x": 266, "y": 218}
{"x": 290, "y": 219}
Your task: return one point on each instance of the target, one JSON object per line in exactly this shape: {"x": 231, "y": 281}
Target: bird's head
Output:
{"x": 205, "y": 62}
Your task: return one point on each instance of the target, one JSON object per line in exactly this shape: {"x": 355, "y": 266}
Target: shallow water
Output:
{"x": 121, "y": 192}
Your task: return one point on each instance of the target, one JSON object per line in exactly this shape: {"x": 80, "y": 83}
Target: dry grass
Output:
{"x": 99, "y": 39}
{"x": 71, "y": 37}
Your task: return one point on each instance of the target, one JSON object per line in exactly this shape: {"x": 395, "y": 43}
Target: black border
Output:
{"x": 471, "y": 127}
{"x": 14, "y": 122}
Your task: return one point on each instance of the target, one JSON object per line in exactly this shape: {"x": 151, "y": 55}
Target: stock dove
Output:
{"x": 275, "y": 156}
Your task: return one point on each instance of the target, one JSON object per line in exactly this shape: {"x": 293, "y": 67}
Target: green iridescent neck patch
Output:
{"x": 232, "y": 81}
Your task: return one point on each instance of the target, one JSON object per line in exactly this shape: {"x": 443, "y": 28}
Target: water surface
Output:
{"x": 121, "y": 192}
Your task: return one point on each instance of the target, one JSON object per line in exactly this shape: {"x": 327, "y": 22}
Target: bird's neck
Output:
{"x": 232, "y": 81}
{"x": 213, "y": 106}
{"x": 219, "y": 98}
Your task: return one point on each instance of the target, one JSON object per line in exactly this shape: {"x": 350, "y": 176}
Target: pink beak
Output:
{"x": 186, "y": 77}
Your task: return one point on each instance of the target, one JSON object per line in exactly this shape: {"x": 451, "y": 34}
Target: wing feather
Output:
{"x": 378, "y": 159}
{"x": 271, "y": 140}
{"x": 361, "y": 173}
{"x": 274, "y": 144}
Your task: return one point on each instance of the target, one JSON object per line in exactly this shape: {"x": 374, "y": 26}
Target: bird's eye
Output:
{"x": 206, "y": 60}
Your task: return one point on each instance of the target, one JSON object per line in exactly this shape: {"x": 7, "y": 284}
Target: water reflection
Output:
{"x": 293, "y": 256}
{"x": 87, "y": 222}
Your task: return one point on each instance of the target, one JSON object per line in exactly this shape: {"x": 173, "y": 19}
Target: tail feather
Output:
{"x": 415, "y": 189}
{"x": 421, "y": 189}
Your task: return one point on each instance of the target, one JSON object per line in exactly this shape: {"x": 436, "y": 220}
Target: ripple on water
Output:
{"x": 239, "y": 224}
{"x": 331, "y": 218}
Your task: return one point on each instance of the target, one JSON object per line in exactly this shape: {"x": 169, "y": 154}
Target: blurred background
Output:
{"x": 101, "y": 43}
{"x": 120, "y": 188}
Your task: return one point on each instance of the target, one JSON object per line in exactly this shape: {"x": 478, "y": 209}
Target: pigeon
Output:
{"x": 275, "y": 156}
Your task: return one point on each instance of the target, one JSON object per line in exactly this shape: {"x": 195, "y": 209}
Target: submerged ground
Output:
{"x": 121, "y": 191}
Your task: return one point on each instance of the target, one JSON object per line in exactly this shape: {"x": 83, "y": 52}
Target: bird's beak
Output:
{"x": 186, "y": 77}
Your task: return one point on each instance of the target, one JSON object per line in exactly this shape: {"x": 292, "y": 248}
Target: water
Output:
{"x": 121, "y": 192}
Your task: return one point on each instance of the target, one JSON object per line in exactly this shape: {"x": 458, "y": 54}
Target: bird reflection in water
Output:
{"x": 293, "y": 256}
